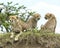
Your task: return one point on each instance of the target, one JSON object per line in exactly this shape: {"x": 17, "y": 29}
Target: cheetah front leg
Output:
{"x": 12, "y": 35}
{"x": 17, "y": 36}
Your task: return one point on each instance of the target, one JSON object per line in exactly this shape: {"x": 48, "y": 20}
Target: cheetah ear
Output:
{"x": 50, "y": 14}
{"x": 17, "y": 17}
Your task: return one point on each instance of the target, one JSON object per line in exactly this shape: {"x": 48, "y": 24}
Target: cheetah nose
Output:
{"x": 45, "y": 17}
{"x": 38, "y": 18}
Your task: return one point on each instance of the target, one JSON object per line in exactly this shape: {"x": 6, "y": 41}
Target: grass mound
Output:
{"x": 34, "y": 39}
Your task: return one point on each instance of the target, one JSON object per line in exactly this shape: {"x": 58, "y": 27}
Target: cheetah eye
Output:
{"x": 11, "y": 20}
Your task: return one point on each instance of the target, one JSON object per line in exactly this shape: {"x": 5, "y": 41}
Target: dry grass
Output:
{"x": 34, "y": 39}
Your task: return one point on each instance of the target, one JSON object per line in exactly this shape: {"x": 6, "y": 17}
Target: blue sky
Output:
{"x": 42, "y": 7}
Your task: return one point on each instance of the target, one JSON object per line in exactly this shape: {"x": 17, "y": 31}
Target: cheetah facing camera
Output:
{"x": 15, "y": 26}
{"x": 19, "y": 26}
{"x": 50, "y": 25}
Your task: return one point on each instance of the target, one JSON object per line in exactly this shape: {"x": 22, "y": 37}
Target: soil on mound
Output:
{"x": 31, "y": 40}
